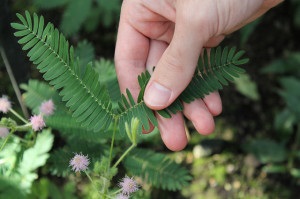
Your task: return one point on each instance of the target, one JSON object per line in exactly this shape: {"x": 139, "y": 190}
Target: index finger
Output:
{"x": 130, "y": 56}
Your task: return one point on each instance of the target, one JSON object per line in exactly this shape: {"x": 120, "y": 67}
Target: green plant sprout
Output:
{"x": 89, "y": 102}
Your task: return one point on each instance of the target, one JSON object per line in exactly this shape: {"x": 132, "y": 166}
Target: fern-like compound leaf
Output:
{"x": 128, "y": 109}
{"x": 216, "y": 67}
{"x": 157, "y": 169}
{"x": 51, "y": 52}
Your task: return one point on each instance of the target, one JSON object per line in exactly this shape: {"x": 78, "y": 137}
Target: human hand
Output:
{"x": 170, "y": 35}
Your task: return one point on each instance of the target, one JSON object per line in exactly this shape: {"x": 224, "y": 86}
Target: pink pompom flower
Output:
{"x": 128, "y": 185}
{"x": 79, "y": 162}
{"x": 5, "y": 104}
{"x": 47, "y": 108}
{"x": 3, "y": 132}
{"x": 37, "y": 122}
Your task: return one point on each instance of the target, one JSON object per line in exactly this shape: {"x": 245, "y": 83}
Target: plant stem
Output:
{"x": 18, "y": 116}
{"x": 13, "y": 82}
{"x": 89, "y": 177}
{"x": 116, "y": 192}
{"x": 110, "y": 153}
{"x": 25, "y": 127}
{"x": 112, "y": 142}
{"x": 91, "y": 180}
{"x": 6, "y": 139}
{"x": 124, "y": 154}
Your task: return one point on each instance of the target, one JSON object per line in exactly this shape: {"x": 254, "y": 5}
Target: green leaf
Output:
{"x": 289, "y": 64}
{"x": 157, "y": 169}
{"x": 247, "y": 87}
{"x": 71, "y": 20}
{"x": 107, "y": 75}
{"x": 46, "y": 4}
{"x": 45, "y": 189}
{"x": 38, "y": 92}
{"x": 80, "y": 87}
{"x": 295, "y": 172}
{"x": 210, "y": 77}
{"x": 291, "y": 94}
{"x": 266, "y": 151}
{"x": 10, "y": 189}
{"x": 85, "y": 52}
{"x": 284, "y": 123}
{"x": 9, "y": 156}
{"x": 60, "y": 158}
{"x": 109, "y": 11}
{"x": 274, "y": 169}
{"x": 34, "y": 158}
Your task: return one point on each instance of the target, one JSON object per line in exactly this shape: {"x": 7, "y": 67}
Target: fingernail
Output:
{"x": 157, "y": 95}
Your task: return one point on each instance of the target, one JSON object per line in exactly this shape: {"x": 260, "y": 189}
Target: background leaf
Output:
{"x": 266, "y": 151}
{"x": 247, "y": 87}
{"x": 157, "y": 169}
{"x": 85, "y": 52}
{"x": 71, "y": 20}
{"x": 291, "y": 94}
{"x": 10, "y": 189}
{"x": 34, "y": 158}
{"x": 46, "y": 4}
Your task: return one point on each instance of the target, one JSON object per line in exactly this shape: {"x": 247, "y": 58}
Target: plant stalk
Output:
{"x": 124, "y": 154}
{"x": 18, "y": 116}
{"x": 6, "y": 139}
{"x": 13, "y": 82}
{"x": 112, "y": 142}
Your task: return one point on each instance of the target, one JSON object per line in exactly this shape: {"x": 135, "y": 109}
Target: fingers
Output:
{"x": 172, "y": 131}
{"x": 213, "y": 103}
{"x": 176, "y": 66}
{"x": 130, "y": 55}
{"x": 156, "y": 50}
{"x": 201, "y": 112}
{"x": 199, "y": 115}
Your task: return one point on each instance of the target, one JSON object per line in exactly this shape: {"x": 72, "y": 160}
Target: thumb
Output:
{"x": 176, "y": 67}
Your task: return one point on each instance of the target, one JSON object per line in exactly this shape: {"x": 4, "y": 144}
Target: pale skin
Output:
{"x": 170, "y": 35}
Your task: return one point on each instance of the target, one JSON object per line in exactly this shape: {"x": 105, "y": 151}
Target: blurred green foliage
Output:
{"x": 88, "y": 13}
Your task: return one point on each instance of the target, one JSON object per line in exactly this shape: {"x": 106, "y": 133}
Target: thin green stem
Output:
{"x": 13, "y": 82}
{"x": 25, "y": 127}
{"x": 124, "y": 154}
{"x": 6, "y": 139}
{"x": 18, "y": 116}
{"x": 112, "y": 142}
{"x": 110, "y": 154}
{"x": 89, "y": 177}
{"x": 116, "y": 192}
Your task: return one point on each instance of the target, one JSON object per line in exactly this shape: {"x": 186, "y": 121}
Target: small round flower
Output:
{"x": 128, "y": 185}
{"x": 79, "y": 162}
{"x": 3, "y": 132}
{"x": 47, "y": 108}
{"x": 5, "y": 104}
{"x": 122, "y": 196}
{"x": 37, "y": 122}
